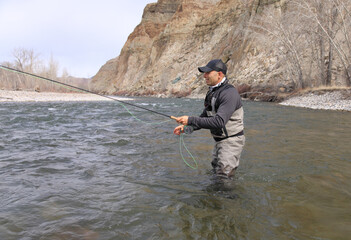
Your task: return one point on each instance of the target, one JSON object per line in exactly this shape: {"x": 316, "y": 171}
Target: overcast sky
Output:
{"x": 81, "y": 35}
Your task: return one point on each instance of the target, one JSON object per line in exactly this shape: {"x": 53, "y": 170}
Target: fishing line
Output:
{"x": 83, "y": 90}
{"x": 133, "y": 115}
{"x": 68, "y": 86}
{"x": 181, "y": 142}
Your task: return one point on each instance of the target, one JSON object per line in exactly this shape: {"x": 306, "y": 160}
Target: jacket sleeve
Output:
{"x": 229, "y": 101}
{"x": 203, "y": 114}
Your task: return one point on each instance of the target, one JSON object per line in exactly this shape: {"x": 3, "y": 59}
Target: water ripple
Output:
{"x": 90, "y": 171}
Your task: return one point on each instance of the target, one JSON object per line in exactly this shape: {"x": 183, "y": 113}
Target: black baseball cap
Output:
{"x": 214, "y": 65}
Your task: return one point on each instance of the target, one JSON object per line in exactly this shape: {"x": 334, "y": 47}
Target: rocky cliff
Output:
{"x": 161, "y": 55}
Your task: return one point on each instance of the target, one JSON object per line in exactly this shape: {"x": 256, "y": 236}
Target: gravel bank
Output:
{"x": 26, "y": 96}
{"x": 333, "y": 100}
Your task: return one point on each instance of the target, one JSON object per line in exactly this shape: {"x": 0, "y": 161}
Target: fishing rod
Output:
{"x": 84, "y": 90}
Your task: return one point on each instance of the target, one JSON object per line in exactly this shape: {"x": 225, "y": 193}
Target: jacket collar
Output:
{"x": 224, "y": 81}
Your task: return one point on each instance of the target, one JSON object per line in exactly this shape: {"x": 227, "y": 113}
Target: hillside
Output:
{"x": 259, "y": 39}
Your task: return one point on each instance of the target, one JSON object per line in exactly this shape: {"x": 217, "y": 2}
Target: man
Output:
{"x": 223, "y": 115}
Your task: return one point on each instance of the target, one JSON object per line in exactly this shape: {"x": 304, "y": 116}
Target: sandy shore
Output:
{"x": 27, "y": 96}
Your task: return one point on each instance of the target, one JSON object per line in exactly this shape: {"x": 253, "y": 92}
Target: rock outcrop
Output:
{"x": 161, "y": 56}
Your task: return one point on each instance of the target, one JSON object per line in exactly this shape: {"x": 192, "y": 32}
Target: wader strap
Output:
{"x": 235, "y": 135}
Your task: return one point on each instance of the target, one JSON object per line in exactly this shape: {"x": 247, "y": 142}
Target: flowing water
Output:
{"x": 88, "y": 170}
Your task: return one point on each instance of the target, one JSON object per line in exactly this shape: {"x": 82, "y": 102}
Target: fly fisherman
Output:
{"x": 223, "y": 115}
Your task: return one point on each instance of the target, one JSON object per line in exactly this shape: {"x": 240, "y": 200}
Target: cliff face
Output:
{"x": 162, "y": 54}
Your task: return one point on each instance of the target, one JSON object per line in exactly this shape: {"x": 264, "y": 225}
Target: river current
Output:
{"x": 90, "y": 170}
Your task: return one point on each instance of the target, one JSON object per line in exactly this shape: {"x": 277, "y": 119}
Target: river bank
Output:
{"x": 31, "y": 96}
{"x": 326, "y": 99}
{"x": 316, "y": 99}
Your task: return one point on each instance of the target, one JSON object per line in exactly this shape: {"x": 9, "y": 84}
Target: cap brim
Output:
{"x": 205, "y": 69}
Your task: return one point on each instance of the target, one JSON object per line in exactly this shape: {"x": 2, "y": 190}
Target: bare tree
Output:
{"x": 314, "y": 35}
{"x": 279, "y": 29}
{"x": 53, "y": 67}
{"x": 27, "y": 61}
{"x": 332, "y": 18}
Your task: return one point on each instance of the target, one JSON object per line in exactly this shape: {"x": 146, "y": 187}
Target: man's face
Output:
{"x": 212, "y": 78}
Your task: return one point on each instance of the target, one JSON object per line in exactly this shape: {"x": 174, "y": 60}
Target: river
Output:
{"x": 90, "y": 170}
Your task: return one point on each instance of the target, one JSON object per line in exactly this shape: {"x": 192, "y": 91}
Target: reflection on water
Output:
{"x": 90, "y": 171}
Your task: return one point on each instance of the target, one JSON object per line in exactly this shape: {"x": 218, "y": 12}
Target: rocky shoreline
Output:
{"x": 321, "y": 99}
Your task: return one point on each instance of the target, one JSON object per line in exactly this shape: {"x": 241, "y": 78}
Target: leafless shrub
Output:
{"x": 27, "y": 61}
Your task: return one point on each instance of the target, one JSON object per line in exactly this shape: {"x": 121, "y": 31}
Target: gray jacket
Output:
{"x": 223, "y": 113}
